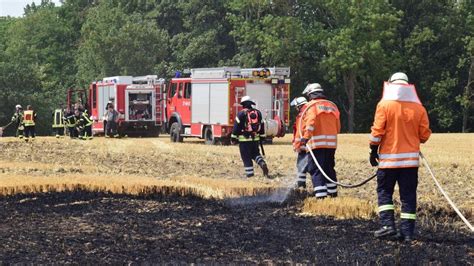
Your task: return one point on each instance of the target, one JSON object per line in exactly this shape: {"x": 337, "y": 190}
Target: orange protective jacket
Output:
{"x": 322, "y": 124}
{"x": 400, "y": 125}
{"x": 297, "y": 147}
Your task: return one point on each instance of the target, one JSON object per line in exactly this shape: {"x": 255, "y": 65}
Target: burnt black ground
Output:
{"x": 96, "y": 228}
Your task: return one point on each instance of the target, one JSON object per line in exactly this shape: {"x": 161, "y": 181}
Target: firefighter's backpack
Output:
{"x": 253, "y": 124}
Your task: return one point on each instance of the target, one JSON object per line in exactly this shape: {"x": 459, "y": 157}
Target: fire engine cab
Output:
{"x": 205, "y": 104}
{"x": 137, "y": 99}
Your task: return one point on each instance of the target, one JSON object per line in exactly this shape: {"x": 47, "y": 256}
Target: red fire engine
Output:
{"x": 205, "y": 104}
{"x": 137, "y": 99}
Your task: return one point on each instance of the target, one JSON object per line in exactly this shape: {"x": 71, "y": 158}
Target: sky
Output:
{"x": 14, "y": 8}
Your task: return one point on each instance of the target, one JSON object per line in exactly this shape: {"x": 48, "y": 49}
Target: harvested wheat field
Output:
{"x": 148, "y": 200}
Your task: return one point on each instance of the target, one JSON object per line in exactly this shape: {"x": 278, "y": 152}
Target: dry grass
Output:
{"x": 141, "y": 166}
{"x": 132, "y": 185}
{"x": 340, "y": 208}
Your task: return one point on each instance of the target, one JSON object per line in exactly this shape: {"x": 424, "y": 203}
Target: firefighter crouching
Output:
{"x": 29, "y": 120}
{"x": 17, "y": 120}
{"x": 302, "y": 157}
{"x": 248, "y": 131}
{"x": 85, "y": 123}
{"x": 400, "y": 125}
{"x": 58, "y": 123}
{"x": 321, "y": 126}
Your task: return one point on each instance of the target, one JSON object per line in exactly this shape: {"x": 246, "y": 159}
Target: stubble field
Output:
{"x": 149, "y": 200}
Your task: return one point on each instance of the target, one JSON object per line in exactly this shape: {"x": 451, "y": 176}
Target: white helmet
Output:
{"x": 298, "y": 101}
{"x": 246, "y": 99}
{"x": 18, "y": 106}
{"x": 399, "y": 77}
{"x": 311, "y": 88}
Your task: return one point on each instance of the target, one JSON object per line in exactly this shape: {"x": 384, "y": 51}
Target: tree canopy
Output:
{"x": 350, "y": 47}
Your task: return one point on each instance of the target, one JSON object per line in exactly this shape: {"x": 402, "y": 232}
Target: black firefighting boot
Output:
{"x": 408, "y": 239}
{"x": 385, "y": 231}
{"x": 407, "y": 229}
{"x": 264, "y": 167}
{"x": 301, "y": 184}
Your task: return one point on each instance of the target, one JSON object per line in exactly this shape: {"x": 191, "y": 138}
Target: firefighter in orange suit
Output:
{"x": 302, "y": 157}
{"x": 321, "y": 126}
{"x": 29, "y": 120}
{"x": 400, "y": 125}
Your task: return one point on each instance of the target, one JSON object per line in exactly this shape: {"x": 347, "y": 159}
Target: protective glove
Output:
{"x": 374, "y": 156}
{"x": 303, "y": 141}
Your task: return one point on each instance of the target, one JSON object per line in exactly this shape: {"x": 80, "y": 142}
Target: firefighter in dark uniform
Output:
{"x": 248, "y": 131}
{"x": 78, "y": 128}
{"x": 71, "y": 123}
{"x": 17, "y": 119}
{"x": 86, "y": 124}
{"x": 58, "y": 123}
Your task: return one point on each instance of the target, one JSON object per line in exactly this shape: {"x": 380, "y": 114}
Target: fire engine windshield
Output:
{"x": 140, "y": 106}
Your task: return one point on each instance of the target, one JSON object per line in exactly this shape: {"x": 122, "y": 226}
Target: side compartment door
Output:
{"x": 179, "y": 100}
{"x": 184, "y": 101}
{"x": 261, "y": 93}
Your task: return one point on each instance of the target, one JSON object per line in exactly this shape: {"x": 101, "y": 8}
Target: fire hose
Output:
{"x": 425, "y": 162}
{"x": 319, "y": 166}
{"x": 4, "y": 127}
{"x": 427, "y": 166}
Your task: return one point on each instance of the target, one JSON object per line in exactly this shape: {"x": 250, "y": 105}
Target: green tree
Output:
{"x": 432, "y": 44}
{"x": 115, "y": 43}
{"x": 357, "y": 35}
{"x": 38, "y": 61}
{"x": 466, "y": 61}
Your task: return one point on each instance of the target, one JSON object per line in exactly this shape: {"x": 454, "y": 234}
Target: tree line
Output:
{"x": 350, "y": 47}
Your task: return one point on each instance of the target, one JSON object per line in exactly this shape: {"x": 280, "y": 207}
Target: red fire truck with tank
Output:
{"x": 137, "y": 99}
{"x": 205, "y": 104}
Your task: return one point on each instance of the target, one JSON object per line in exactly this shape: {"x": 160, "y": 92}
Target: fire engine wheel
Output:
{"x": 175, "y": 132}
{"x": 209, "y": 137}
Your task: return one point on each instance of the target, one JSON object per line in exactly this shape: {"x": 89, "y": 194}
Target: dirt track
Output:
{"x": 97, "y": 228}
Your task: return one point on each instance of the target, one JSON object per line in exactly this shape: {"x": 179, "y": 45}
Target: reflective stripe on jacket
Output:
{"x": 71, "y": 120}
{"x": 58, "y": 119}
{"x": 322, "y": 124}
{"x": 242, "y": 138}
{"x": 29, "y": 118}
{"x": 297, "y": 147}
{"x": 87, "y": 119}
{"x": 400, "y": 125}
